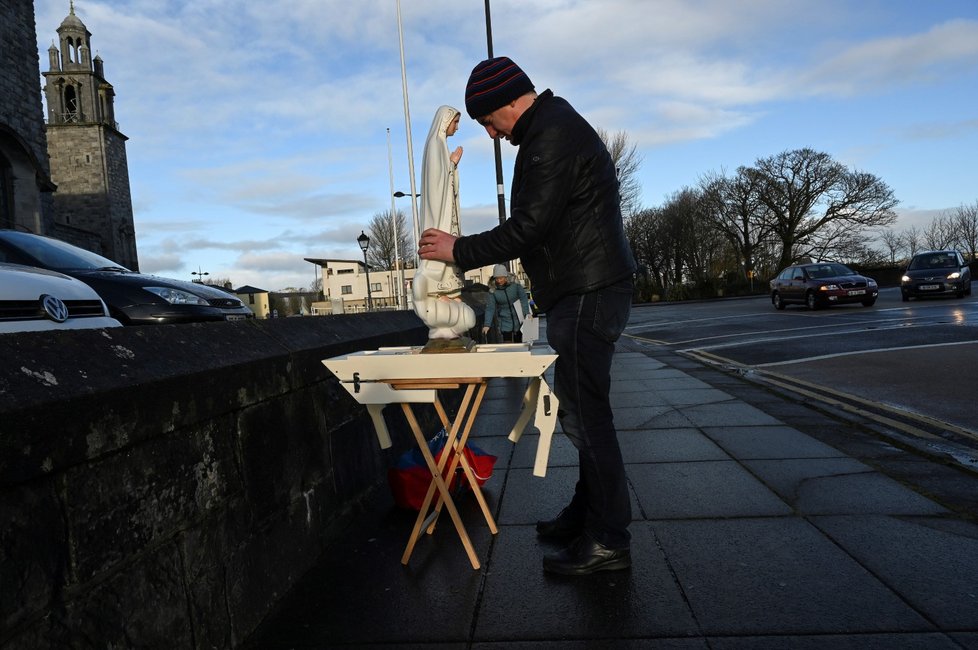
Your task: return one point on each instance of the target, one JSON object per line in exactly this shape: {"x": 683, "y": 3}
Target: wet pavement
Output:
{"x": 759, "y": 521}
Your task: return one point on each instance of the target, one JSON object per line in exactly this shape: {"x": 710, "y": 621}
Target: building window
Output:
{"x": 346, "y": 289}
{"x": 375, "y": 286}
{"x": 342, "y": 271}
{"x": 251, "y": 298}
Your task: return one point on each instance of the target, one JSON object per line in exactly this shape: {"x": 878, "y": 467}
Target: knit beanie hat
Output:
{"x": 499, "y": 270}
{"x": 493, "y": 84}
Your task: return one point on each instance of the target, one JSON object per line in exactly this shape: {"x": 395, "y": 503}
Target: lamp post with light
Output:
{"x": 364, "y": 242}
{"x": 200, "y": 275}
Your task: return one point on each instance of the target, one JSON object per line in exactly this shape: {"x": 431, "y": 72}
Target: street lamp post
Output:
{"x": 364, "y": 242}
{"x": 200, "y": 275}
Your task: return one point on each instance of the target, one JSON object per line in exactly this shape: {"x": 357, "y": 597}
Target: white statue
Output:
{"x": 437, "y": 286}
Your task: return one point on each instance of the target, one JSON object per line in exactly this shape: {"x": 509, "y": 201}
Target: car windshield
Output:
{"x": 57, "y": 255}
{"x": 828, "y": 270}
{"x": 933, "y": 261}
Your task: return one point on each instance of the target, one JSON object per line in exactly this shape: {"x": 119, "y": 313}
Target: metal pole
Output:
{"x": 366, "y": 267}
{"x": 410, "y": 146}
{"x": 397, "y": 231}
{"x": 497, "y": 151}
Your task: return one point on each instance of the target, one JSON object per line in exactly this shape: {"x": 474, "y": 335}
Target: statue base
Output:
{"x": 443, "y": 346}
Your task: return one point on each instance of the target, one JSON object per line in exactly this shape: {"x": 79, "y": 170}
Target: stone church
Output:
{"x": 68, "y": 178}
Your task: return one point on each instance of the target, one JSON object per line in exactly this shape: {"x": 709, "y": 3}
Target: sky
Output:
{"x": 258, "y": 131}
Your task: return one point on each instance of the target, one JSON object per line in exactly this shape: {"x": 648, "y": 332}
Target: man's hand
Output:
{"x": 485, "y": 330}
{"x": 437, "y": 245}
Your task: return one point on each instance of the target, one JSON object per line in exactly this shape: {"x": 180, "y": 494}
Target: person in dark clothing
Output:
{"x": 501, "y": 304}
{"x": 565, "y": 225}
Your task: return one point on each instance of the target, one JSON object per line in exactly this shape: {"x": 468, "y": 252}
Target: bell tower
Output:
{"x": 92, "y": 205}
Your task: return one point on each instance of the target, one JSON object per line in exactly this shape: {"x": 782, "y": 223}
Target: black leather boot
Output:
{"x": 585, "y": 556}
{"x": 562, "y": 528}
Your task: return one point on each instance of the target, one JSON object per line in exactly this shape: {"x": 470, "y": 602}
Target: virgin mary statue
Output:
{"x": 437, "y": 286}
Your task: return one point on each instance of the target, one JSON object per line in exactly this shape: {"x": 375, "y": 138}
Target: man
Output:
{"x": 565, "y": 225}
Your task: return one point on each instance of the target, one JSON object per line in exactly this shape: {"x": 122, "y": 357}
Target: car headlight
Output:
{"x": 176, "y": 296}
{"x": 905, "y": 278}
{"x": 870, "y": 283}
{"x": 954, "y": 276}
{"x": 829, "y": 287}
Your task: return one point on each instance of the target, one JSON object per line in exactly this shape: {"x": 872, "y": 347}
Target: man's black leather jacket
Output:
{"x": 565, "y": 216}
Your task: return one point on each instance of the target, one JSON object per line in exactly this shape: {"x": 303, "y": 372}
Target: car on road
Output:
{"x": 820, "y": 285}
{"x": 936, "y": 273}
{"x": 132, "y": 298}
{"x": 34, "y": 300}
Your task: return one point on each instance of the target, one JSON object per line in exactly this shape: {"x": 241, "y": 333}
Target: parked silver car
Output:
{"x": 33, "y": 299}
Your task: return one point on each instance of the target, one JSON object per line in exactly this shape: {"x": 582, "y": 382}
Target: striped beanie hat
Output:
{"x": 493, "y": 84}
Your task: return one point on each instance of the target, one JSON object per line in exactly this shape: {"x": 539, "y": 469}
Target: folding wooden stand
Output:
{"x": 452, "y": 456}
{"x": 403, "y": 376}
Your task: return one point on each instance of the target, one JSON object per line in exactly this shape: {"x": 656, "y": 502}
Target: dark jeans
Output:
{"x": 512, "y": 337}
{"x": 582, "y": 329}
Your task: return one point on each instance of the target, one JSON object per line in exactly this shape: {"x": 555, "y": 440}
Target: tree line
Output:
{"x": 734, "y": 231}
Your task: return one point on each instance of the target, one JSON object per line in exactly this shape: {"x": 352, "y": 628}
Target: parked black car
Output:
{"x": 132, "y": 298}
{"x": 821, "y": 285}
{"x": 936, "y": 273}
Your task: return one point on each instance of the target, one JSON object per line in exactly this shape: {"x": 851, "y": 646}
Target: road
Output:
{"x": 914, "y": 365}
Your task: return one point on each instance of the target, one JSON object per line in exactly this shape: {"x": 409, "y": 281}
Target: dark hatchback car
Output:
{"x": 132, "y": 298}
{"x": 936, "y": 273}
{"x": 821, "y": 285}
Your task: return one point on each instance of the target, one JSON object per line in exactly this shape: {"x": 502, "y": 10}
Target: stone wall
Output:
{"x": 164, "y": 486}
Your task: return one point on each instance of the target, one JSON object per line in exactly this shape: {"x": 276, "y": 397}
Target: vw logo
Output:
{"x": 54, "y": 308}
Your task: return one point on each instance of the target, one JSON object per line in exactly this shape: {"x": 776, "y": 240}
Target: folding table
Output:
{"x": 402, "y": 375}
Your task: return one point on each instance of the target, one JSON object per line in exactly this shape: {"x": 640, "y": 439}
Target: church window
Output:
{"x": 71, "y": 104}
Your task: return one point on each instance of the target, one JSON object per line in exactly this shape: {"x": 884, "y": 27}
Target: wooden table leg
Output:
{"x": 438, "y": 482}
{"x": 459, "y": 457}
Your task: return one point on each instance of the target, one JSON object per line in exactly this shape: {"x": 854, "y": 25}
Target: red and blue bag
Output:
{"x": 410, "y": 476}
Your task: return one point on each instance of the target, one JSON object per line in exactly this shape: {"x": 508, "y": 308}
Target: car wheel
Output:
{"x": 776, "y": 301}
{"x": 810, "y": 300}
{"x": 869, "y": 302}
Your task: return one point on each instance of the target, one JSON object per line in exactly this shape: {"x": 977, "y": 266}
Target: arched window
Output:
{"x": 71, "y": 104}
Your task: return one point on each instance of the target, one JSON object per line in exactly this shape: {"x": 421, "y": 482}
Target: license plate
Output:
{"x": 929, "y": 287}
{"x": 857, "y": 292}
{"x": 234, "y": 317}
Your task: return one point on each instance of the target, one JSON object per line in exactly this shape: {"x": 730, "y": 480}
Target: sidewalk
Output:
{"x": 749, "y": 531}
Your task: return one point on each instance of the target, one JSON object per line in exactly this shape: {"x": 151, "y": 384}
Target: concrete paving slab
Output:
{"x": 777, "y": 576}
{"x": 688, "y": 396}
{"x": 529, "y": 499}
{"x": 340, "y": 601}
{"x": 598, "y": 644}
{"x": 649, "y": 417}
{"x": 734, "y": 412}
{"x": 521, "y": 602}
{"x": 929, "y": 561}
{"x": 908, "y": 641}
{"x": 646, "y": 399}
{"x": 668, "y": 445}
{"x": 702, "y": 489}
{"x": 765, "y": 442}
{"x": 968, "y": 641}
{"x": 829, "y": 486}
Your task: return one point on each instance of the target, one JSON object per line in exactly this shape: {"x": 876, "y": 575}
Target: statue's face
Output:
{"x": 453, "y": 126}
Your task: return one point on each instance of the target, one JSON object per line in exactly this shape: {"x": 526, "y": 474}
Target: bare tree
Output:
{"x": 734, "y": 207}
{"x": 892, "y": 243}
{"x": 382, "y": 229}
{"x": 965, "y": 221}
{"x": 627, "y": 161}
{"x": 911, "y": 239}
{"x": 939, "y": 234}
{"x": 806, "y": 191}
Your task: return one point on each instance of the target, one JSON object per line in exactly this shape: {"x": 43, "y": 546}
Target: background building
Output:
{"x": 92, "y": 205}
{"x": 25, "y": 178}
